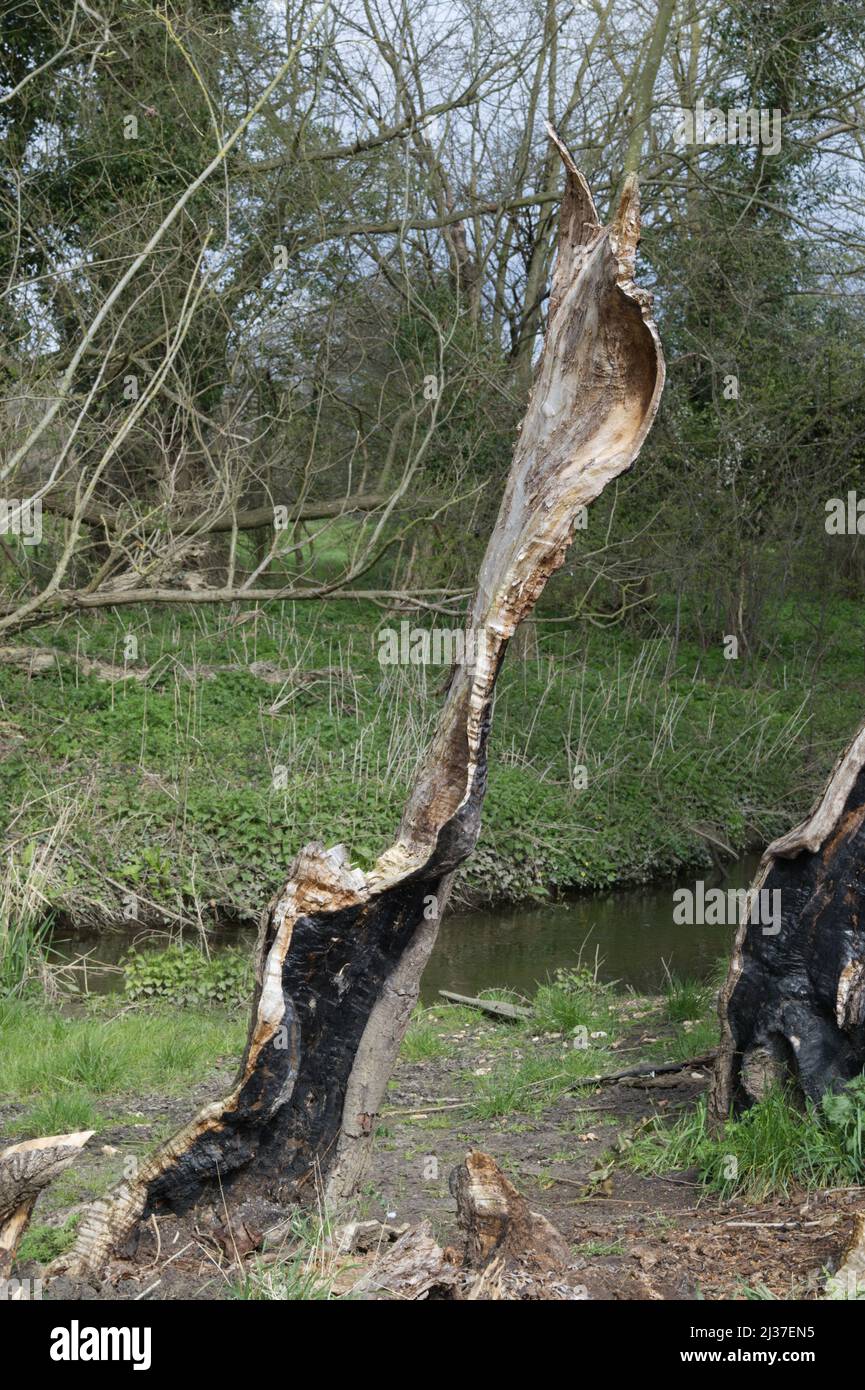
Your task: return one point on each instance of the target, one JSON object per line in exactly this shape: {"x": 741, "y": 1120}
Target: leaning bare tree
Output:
{"x": 341, "y": 951}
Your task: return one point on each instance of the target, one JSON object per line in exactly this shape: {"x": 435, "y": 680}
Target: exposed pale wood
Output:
{"x": 412, "y": 1268}
{"x": 341, "y": 951}
{"x": 496, "y": 1008}
{"x": 509, "y": 1252}
{"x": 25, "y": 1169}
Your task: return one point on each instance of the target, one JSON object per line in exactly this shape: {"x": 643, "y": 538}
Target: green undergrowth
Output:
{"x": 183, "y": 974}
{"x": 64, "y": 1067}
{"x": 772, "y": 1149}
{"x": 192, "y": 793}
{"x": 44, "y": 1243}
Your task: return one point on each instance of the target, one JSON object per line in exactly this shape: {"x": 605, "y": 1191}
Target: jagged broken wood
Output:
{"x": 341, "y": 951}
{"x": 792, "y": 1009}
{"x": 25, "y": 1169}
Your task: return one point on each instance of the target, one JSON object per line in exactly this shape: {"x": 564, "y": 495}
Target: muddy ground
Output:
{"x": 633, "y": 1236}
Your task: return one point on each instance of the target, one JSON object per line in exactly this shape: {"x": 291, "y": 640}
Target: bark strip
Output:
{"x": 25, "y": 1169}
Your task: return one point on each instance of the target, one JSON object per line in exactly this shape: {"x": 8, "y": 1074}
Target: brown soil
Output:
{"x": 632, "y": 1236}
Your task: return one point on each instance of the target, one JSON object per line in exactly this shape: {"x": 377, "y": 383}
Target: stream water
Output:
{"x": 630, "y": 932}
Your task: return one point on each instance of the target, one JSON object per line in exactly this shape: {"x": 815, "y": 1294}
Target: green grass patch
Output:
{"x": 63, "y": 1113}
{"x": 594, "y": 1249}
{"x": 423, "y": 1040}
{"x": 700, "y": 1038}
{"x": 573, "y": 1002}
{"x": 47, "y": 1054}
{"x": 534, "y": 1082}
{"x": 771, "y": 1149}
{"x": 576, "y": 1006}
{"x": 684, "y": 999}
{"x": 45, "y": 1243}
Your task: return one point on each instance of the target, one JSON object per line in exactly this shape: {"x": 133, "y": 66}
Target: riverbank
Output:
{"x": 174, "y": 784}
{"x": 645, "y": 1214}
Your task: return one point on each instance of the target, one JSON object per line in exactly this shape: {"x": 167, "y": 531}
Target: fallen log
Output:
{"x": 38, "y": 660}
{"x": 646, "y": 1069}
{"x": 25, "y": 1169}
{"x": 792, "y": 1010}
{"x": 496, "y": 1008}
{"x": 341, "y": 951}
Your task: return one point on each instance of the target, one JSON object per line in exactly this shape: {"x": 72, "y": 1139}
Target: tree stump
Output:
{"x": 509, "y": 1253}
{"x": 793, "y": 1007}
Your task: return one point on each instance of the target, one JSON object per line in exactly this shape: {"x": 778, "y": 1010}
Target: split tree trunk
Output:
{"x": 793, "y": 1006}
{"x": 341, "y": 951}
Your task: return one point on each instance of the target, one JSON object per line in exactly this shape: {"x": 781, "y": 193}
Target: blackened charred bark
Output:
{"x": 289, "y": 1108}
{"x": 342, "y": 951}
{"x": 793, "y": 1007}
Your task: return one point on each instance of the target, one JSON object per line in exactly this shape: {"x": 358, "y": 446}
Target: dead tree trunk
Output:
{"x": 793, "y": 1006}
{"x": 341, "y": 951}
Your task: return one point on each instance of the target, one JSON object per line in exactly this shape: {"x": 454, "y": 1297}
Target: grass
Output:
{"x": 63, "y": 1113}
{"x": 192, "y": 791}
{"x": 290, "y": 1280}
{"x": 304, "y": 1270}
{"x": 25, "y": 918}
{"x": 700, "y": 1038}
{"x": 573, "y": 1001}
{"x": 423, "y": 1040}
{"x": 599, "y": 1248}
{"x": 72, "y": 1060}
{"x": 684, "y": 999}
{"x": 772, "y": 1149}
{"x": 528, "y": 1086}
{"x": 581, "y": 1014}
{"x": 45, "y": 1243}
{"x": 532, "y": 1072}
